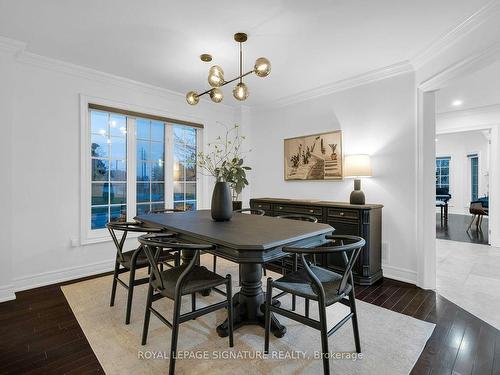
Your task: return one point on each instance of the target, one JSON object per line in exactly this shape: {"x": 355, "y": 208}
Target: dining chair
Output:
{"x": 130, "y": 261}
{"x": 294, "y": 257}
{"x": 321, "y": 285}
{"x": 173, "y": 283}
{"x": 251, "y": 211}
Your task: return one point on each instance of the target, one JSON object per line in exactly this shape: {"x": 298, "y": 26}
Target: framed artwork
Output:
{"x": 314, "y": 157}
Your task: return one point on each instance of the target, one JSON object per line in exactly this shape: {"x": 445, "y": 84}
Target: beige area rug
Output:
{"x": 391, "y": 342}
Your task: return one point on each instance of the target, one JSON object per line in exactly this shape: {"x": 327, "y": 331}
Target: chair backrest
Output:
{"x": 476, "y": 208}
{"x": 300, "y": 217}
{"x": 125, "y": 228}
{"x": 335, "y": 244}
{"x": 252, "y": 211}
{"x": 155, "y": 244}
{"x": 442, "y": 191}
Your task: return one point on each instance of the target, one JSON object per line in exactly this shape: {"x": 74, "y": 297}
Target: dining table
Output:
{"x": 250, "y": 241}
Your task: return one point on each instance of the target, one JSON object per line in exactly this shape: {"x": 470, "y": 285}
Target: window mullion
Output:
{"x": 169, "y": 167}
{"x": 131, "y": 168}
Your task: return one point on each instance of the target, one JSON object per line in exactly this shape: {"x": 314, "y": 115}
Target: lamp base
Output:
{"x": 357, "y": 196}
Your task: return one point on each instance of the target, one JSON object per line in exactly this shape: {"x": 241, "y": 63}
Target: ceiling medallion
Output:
{"x": 262, "y": 68}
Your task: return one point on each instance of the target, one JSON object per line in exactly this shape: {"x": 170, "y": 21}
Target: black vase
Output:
{"x": 222, "y": 205}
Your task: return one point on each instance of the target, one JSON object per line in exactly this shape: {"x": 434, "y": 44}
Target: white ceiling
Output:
{"x": 479, "y": 89}
{"x": 310, "y": 43}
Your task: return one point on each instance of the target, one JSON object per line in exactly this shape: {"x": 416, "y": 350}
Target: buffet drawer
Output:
{"x": 285, "y": 208}
{"x": 343, "y": 214}
{"x": 261, "y": 206}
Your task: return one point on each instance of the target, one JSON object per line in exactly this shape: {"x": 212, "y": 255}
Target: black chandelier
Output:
{"x": 262, "y": 68}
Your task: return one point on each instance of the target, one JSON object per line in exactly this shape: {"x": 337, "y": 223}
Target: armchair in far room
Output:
{"x": 478, "y": 209}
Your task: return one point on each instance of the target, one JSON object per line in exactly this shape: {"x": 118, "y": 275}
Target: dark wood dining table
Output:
{"x": 249, "y": 240}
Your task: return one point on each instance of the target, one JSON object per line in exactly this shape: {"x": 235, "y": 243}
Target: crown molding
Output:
{"x": 11, "y": 46}
{"x": 490, "y": 10}
{"x": 473, "y": 62}
{"x": 64, "y": 67}
{"x": 402, "y": 67}
{"x": 471, "y": 111}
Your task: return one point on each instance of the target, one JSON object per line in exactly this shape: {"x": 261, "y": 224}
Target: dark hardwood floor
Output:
{"x": 40, "y": 335}
{"x": 455, "y": 229}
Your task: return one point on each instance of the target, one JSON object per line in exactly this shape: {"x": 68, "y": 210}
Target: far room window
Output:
{"x": 443, "y": 173}
{"x": 474, "y": 176}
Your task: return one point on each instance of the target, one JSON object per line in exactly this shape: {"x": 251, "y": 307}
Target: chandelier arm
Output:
{"x": 227, "y": 82}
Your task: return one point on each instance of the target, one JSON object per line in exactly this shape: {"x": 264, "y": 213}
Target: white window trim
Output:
{"x": 88, "y": 236}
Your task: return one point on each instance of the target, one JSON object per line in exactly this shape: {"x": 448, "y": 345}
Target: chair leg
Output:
{"x": 193, "y": 302}
{"x": 472, "y": 221}
{"x": 269, "y": 299}
{"x": 215, "y": 264}
{"x": 131, "y": 283}
{"x": 294, "y": 298}
{"x": 113, "y": 287}
{"x": 264, "y": 269}
{"x": 175, "y": 334}
{"x": 324, "y": 338}
{"x": 307, "y": 308}
{"x": 229, "y": 294}
{"x": 147, "y": 315}
{"x": 354, "y": 319}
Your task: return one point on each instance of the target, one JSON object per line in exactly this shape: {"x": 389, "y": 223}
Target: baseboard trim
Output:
{"x": 400, "y": 274}
{"x": 7, "y": 293}
{"x": 62, "y": 275}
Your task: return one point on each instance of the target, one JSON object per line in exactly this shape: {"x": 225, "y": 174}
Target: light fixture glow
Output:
{"x": 262, "y": 67}
{"x": 192, "y": 98}
{"x": 457, "y": 103}
{"x": 216, "y": 95}
{"x": 240, "y": 91}
{"x": 215, "y": 76}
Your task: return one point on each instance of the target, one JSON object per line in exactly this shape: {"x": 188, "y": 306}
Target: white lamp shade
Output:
{"x": 357, "y": 166}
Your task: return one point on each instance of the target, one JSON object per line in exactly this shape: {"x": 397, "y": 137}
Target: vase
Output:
{"x": 222, "y": 204}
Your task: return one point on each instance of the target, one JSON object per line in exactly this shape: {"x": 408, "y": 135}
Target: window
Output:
{"x": 150, "y": 153}
{"x": 109, "y": 168}
{"x": 137, "y": 163}
{"x": 184, "y": 167}
{"x": 443, "y": 173}
{"x": 474, "y": 179}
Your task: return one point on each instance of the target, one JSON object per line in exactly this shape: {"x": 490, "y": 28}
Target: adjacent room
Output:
{"x": 276, "y": 187}
{"x": 468, "y": 113}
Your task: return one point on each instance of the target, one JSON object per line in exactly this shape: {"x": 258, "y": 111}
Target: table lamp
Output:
{"x": 357, "y": 166}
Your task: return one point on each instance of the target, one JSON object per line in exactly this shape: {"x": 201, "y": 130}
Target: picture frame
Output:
{"x": 315, "y": 157}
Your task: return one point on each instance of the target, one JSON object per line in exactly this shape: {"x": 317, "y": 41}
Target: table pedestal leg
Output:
{"x": 248, "y": 304}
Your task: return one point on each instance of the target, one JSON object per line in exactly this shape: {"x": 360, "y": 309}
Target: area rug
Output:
{"x": 391, "y": 343}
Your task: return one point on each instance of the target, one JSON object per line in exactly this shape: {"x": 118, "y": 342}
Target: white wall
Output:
{"x": 6, "y": 70}
{"x": 458, "y": 146}
{"x": 378, "y": 119}
{"x": 45, "y": 161}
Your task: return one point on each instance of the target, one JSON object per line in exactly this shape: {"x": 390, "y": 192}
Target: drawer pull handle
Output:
{"x": 280, "y": 208}
{"x": 342, "y": 214}
{"x": 311, "y": 211}
{"x": 260, "y": 206}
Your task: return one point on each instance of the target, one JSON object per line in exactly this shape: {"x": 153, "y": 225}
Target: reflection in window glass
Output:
{"x": 184, "y": 167}
{"x": 109, "y": 154}
{"x": 150, "y": 165}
